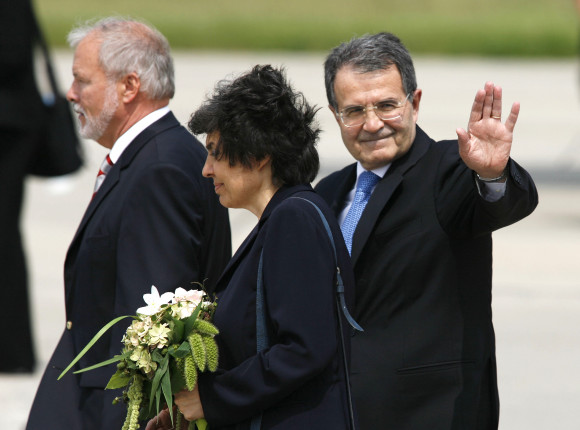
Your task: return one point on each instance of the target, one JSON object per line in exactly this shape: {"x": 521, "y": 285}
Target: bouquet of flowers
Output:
{"x": 168, "y": 342}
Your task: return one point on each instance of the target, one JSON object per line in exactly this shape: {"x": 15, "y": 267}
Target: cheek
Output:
{"x": 349, "y": 136}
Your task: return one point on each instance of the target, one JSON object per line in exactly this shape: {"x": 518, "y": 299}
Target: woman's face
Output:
{"x": 237, "y": 186}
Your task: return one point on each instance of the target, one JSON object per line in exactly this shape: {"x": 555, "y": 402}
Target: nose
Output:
{"x": 207, "y": 170}
{"x": 373, "y": 123}
{"x": 70, "y": 94}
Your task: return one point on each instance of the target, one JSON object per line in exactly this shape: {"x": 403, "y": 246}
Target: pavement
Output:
{"x": 536, "y": 299}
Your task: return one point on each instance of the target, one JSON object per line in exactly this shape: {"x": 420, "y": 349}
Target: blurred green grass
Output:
{"x": 530, "y": 28}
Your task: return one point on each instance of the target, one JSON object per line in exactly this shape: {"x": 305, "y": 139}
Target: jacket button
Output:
{"x": 69, "y": 325}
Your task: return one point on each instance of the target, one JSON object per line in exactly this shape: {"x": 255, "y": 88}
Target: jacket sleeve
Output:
{"x": 464, "y": 213}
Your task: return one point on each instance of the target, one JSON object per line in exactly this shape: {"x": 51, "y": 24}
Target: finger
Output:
{"x": 463, "y": 142}
{"x": 488, "y": 101}
{"x": 513, "y": 117}
{"x": 496, "y": 103}
{"x": 477, "y": 107}
{"x": 160, "y": 422}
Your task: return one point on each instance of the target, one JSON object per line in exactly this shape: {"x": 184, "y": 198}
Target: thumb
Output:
{"x": 462, "y": 137}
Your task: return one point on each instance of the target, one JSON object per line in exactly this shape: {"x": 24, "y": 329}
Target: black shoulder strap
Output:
{"x": 339, "y": 282}
{"x": 262, "y": 340}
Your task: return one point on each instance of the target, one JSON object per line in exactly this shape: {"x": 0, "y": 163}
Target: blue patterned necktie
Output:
{"x": 366, "y": 182}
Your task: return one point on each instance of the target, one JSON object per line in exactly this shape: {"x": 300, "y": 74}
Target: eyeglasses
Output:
{"x": 386, "y": 110}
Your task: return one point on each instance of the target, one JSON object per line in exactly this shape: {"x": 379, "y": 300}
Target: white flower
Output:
{"x": 154, "y": 301}
{"x": 142, "y": 359}
{"x": 194, "y": 296}
{"x": 158, "y": 335}
{"x": 182, "y": 310}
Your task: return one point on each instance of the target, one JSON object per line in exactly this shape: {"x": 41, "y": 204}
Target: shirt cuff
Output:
{"x": 491, "y": 191}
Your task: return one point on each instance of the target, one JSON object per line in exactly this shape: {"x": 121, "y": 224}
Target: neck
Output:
{"x": 127, "y": 117}
{"x": 262, "y": 200}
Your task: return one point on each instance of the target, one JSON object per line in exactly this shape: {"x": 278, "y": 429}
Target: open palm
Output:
{"x": 486, "y": 146}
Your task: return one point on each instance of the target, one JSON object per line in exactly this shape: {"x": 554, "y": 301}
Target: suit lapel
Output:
{"x": 243, "y": 249}
{"x": 281, "y": 195}
{"x": 343, "y": 187}
{"x": 384, "y": 191}
{"x": 114, "y": 176}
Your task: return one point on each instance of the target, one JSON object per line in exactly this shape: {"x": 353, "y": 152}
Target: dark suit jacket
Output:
{"x": 155, "y": 221}
{"x": 422, "y": 256}
{"x": 298, "y": 382}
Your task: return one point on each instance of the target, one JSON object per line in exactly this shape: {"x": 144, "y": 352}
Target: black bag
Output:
{"x": 60, "y": 152}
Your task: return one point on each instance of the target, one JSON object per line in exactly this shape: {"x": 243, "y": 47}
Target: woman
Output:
{"x": 262, "y": 157}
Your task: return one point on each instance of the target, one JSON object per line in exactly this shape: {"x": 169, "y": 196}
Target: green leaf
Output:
{"x": 101, "y": 364}
{"x": 182, "y": 351}
{"x": 92, "y": 342}
{"x": 190, "y": 321}
{"x": 156, "y": 356}
{"x": 178, "y": 330}
{"x": 201, "y": 424}
{"x": 166, "y": 387}
{"x": 155, "y": 388}
{"x": 157, "y": 400}
{"x": 177, "y": 380}
{"x": 119, "y": 380}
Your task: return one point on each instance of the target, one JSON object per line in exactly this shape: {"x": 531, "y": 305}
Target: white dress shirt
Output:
{"x": 126, "y": 138}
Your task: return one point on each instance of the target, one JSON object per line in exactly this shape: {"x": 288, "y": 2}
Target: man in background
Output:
{"x": 153, "y": 218}
{"x": 418, "y": 217}
{"x": 22, "y": 123}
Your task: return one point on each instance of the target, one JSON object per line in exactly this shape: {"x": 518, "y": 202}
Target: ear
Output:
{"x": 259, "y": 165}
{"x": 416, "y": 101}
{"x": 131, "y": 84}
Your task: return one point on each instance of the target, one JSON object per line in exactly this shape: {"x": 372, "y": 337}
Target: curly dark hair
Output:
{"x": 259, "y": 115}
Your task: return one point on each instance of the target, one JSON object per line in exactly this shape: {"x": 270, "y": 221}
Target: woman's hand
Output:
{"x": 160, "y": 422}
{"x": 189, "y": 404}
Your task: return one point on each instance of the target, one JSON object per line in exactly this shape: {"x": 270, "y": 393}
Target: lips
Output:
{"x": 368, "y": 138}
{"x": 374, "y": 140}
{"x": 78, "y": 110}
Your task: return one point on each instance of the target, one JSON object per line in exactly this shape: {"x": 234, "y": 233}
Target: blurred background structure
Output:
{"x": 529, "y": 47}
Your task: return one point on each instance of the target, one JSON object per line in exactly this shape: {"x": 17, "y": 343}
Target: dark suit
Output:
{"x": 422, "y": 256}
{"x": 22, "y": 119}
{"x": 154, "y": 221}
{"x": 299, "y": 381}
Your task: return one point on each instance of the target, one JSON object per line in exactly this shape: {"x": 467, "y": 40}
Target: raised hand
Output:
{"x": 486, "y": 145}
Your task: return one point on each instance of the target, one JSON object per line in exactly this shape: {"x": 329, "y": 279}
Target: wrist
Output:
{"x": 500, "y": 178}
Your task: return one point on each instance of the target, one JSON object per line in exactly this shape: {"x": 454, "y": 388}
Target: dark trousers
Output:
{"x": 17, "y": 148}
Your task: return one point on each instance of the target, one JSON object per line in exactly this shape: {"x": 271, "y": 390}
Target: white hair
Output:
{"x": 131, "y": 46}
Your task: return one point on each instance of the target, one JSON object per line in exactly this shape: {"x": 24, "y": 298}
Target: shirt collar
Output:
{"x": 126, "y": 138}
{"x": 380, "y": 171}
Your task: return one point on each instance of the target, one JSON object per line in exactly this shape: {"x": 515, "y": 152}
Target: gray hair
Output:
{"x": 368, "y": 54}
{"x": 131, "y": 46}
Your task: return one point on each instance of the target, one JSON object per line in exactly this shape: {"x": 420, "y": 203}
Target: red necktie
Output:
{"x": 105, "y": 167}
